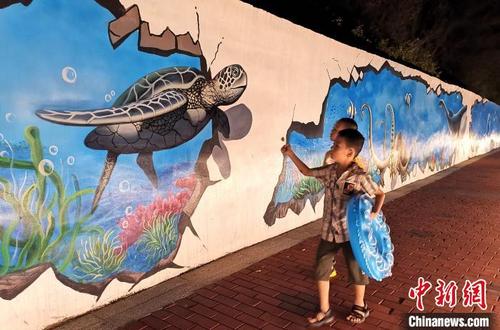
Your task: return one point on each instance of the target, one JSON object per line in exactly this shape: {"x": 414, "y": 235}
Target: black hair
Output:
{"x": 353, "y": 138}
{"x": 348, "y": 121}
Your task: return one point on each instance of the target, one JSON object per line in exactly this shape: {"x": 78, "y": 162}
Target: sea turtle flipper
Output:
{"x": 111, "y": 158}
{"x": 221, "y": 157}
{"x": 145, "y": 162}
{"x": 222, "y": 122}
{"x": 129, "y": 113}
{"x": 240, "y": 121}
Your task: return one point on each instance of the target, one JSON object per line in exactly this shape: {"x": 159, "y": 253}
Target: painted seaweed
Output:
{"x": 40, "y": 213}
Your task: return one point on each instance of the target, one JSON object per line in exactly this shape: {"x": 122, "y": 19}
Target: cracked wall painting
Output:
{"x": 104, "y": 146}
{"x": 409, "y": 128}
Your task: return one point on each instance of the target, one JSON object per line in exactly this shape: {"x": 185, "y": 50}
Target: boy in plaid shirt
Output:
{"x": 341, "y": 179}
{"x": 341, "y": 124}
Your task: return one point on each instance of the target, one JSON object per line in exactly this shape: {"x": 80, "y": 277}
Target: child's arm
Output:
{"x": 327, "y": 160}
{"x": 372, "y": 189}
{"x": 379, "y": 201}
{"x": 303, "y": 168}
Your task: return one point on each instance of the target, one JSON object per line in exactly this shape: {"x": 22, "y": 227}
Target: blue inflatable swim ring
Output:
{"x": 370, "y": 239}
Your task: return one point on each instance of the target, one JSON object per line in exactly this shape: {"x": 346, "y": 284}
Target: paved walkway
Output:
{"x": 448, "y": 229}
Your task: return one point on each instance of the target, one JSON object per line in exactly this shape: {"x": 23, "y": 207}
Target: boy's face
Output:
{"x": 341, "y": 153}
{"x": 339, "y": 126}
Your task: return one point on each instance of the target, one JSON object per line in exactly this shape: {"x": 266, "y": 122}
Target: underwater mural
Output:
{"x": 60, "y": 208}
{"x": 409, "y": 129}
{"x": 484, "y": 127}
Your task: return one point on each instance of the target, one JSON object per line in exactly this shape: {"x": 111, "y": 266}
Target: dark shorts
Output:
{"x": 325, "y": 261}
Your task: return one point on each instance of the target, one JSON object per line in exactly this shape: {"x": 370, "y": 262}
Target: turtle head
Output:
{"x": 228, "y": 85}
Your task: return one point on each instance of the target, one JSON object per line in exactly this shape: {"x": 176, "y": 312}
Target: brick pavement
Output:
{"x": 447, "y": 229}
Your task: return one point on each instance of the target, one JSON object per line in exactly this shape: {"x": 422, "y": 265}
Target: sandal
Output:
{"x": 358, "y": 314}
{"x": 322, "y": 318}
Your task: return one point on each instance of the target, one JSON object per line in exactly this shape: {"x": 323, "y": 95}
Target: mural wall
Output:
{"x": 411, "y": 129}
{"x": 137, "y": 141}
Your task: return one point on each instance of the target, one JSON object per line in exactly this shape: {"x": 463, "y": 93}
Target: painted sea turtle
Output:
{"x": 159, "y": 111}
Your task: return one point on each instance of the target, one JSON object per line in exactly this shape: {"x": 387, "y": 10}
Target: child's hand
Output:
{"x": 286, "y": 150}
{"x": 373, "y": 215}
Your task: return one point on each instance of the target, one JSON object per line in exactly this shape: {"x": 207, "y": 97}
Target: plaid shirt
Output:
{"x": 338, "y": 191}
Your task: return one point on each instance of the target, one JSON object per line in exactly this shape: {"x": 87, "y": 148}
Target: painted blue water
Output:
{"x": 418, "y": 118}
{"x": 485, "y": 119}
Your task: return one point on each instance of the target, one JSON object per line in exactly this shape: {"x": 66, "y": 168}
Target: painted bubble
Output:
{"x": 46, "y": 167}
{"x": 128, "y": 210}
{"x": 10, "y": 117}
{"x": 124, "y": 186}
{"x": 68, "y": 74}
{"x": 70, "y": 160}
{"x": 53, "y": 150}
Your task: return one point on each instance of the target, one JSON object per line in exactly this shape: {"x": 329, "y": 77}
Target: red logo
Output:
{"x": 474, "y": 294}
{"x": 447, "y": 293}
{"x": 419, "y": 292}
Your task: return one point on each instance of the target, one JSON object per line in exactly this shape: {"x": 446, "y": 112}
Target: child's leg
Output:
{"x": 325, "y": 314}
{"x": 359, "y": 295}
{"x": 324, "y": 263}
{"x": 359, "y": 311}
{"x": 359, "y": 280}
{"x": 324, "y": 295}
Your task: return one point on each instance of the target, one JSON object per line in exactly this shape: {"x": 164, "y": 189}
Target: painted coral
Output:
{"x": 163, "y": 208}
